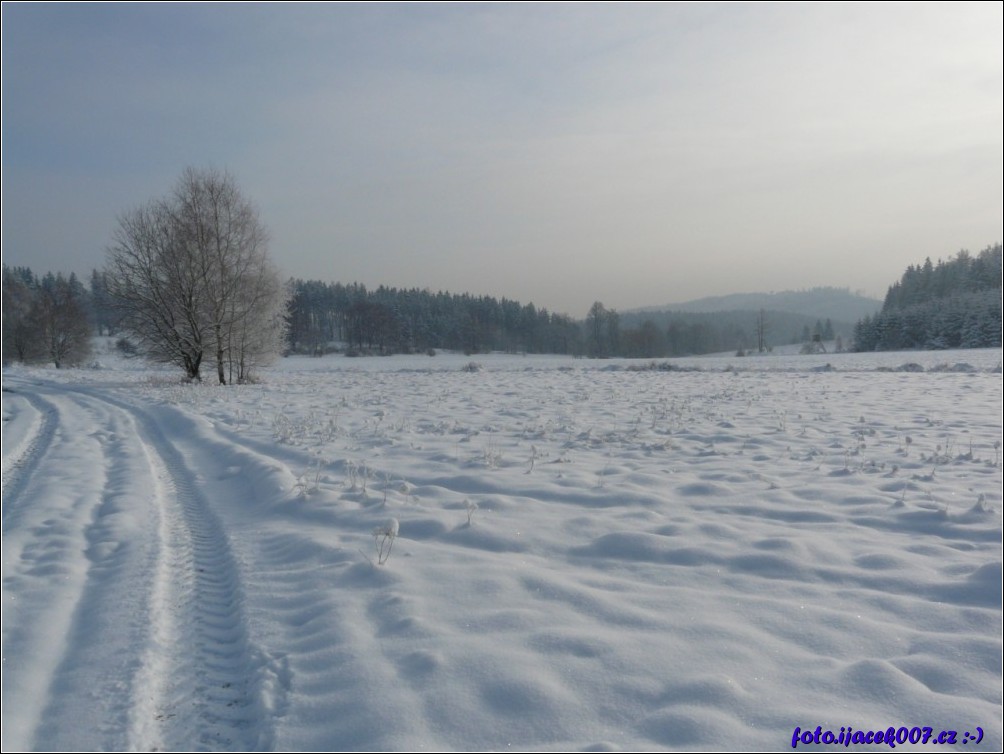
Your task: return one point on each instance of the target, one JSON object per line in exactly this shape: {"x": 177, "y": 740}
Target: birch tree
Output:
{"x": 193, "y": 281}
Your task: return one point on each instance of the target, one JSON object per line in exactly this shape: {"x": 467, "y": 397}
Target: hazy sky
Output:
{"x": 554, "y": 153}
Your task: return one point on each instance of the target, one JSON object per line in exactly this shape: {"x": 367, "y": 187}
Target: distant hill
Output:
{"x": 837, "y": 304}
{"x": 742, "y": 320}
{"x": 692, "y": 333}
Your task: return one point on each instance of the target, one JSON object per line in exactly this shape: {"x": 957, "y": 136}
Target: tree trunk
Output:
{"x": 220, "y": 366}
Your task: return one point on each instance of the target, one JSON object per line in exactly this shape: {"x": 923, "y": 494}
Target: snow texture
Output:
{"x": 587, "y": 555}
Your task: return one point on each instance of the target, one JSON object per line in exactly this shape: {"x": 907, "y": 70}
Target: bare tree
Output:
{"x": 258, "y": 322}
{"x": 595, "y": 320}
{"x": 155, "y": 289}
{"x": 44, "y": 319}
{"x": 602, "y": 331}
{"x": 61, "y": 317}
{"x": 192, "y": 278}
{"x": 761, "y": 331}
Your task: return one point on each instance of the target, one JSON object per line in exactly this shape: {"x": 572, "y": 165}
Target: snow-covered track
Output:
{"x": 223, "y": 712}
{"x": 128, "y": 569}
{"x": 20, "y": 462}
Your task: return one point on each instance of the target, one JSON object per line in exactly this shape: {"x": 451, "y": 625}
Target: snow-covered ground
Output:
{"x": 591, "y": 555}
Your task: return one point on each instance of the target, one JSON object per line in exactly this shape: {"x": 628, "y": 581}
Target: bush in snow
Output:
{"x": 383, "y": 539}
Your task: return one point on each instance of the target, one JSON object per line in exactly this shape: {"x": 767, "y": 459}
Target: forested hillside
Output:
{"x": 951, "y": 304}
{"x": 391, "y": 320}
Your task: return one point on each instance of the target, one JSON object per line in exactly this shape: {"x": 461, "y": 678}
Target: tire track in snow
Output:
{"x": 47, "y": 566}
{"x": 145, "y": 583}
{"x": 327, "y": 610}
{"x": 205, "y": 676}
{"x": 94, "y": 687}
{"x": 21, "y": 463}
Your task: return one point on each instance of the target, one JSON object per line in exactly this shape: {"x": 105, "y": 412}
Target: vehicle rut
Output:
{"x": 19, "y": 467}
{"x": 145, "y": 583}
{"x": 209, "y": 698}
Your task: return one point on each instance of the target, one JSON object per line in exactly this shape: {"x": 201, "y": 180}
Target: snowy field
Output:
{"x": 589, "y": 555}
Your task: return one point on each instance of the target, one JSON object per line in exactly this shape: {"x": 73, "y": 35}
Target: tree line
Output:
{"x": 323, "y": 316}
{"x": 45, "y": 319}
{"x": 188, "y": 282}
{"x": 955, "y": 303}
{"x": 326, "y": 317}
{"x": 52, "y": 317}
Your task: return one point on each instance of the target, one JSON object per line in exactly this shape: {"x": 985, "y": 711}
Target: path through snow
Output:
{"x": 123, "y": 615}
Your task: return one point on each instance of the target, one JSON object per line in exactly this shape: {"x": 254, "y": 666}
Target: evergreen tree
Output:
{"x": 954, "y": 304}
{"x": 21, "y": 338}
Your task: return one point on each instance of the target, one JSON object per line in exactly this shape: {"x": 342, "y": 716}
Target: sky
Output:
{"x": 560, "y": 154}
